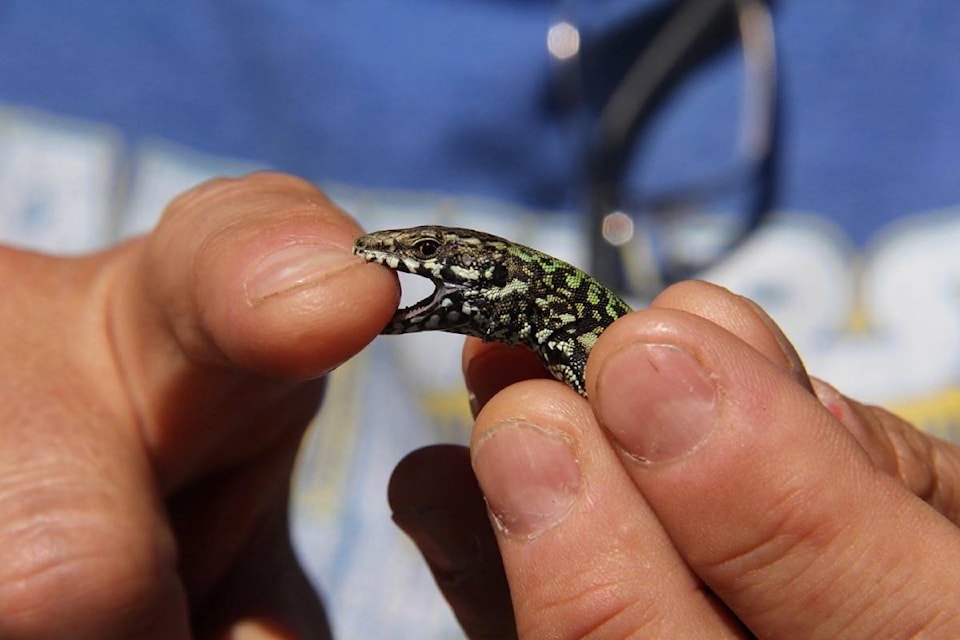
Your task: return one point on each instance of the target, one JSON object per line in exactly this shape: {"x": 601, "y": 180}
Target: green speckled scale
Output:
{"x": 497, "y": 290}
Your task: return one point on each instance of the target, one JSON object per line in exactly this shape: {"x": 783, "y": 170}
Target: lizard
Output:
{"x": 497, "y": 290}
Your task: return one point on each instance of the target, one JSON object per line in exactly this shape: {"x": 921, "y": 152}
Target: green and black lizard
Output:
{"x": 498, "y": 290}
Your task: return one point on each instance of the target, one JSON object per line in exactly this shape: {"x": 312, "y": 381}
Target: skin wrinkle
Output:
{"x": 135, "y": 401}
{"x": 593, "y": 597}
{"x": 852, "y": 566}
{"x": 780, "y": 543}
{"x": 67, "y": 530}
{"x": 138, "y": 585}
{"x": 72, "y": 402}
{"x": 774, "y": 601}
{"x": 68, "y": 526}
{"x": 866, "y": 622}
{"x": 942, "y": 495}
{"x": 306, "y": 283}
{"x": 938, "y": 620}
{"x": 903, "y": 454}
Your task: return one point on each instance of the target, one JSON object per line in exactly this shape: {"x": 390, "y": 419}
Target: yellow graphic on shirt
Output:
{"x": 937, "y": 414}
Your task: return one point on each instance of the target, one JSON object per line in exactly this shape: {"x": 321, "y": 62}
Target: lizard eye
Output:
{"x": 426, "y": 248}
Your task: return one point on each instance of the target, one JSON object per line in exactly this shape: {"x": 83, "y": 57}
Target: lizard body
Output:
{"x": 498, "y": 290}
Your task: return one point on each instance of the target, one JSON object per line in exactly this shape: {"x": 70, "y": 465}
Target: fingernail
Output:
{"x": 292, "y": 267}
{"x": 529, "y": 476}
{"x": 656, "y": 400}
{"x": 450, "y": 547}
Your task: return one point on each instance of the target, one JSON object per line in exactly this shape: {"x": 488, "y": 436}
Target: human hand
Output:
{"x": 709, "y": 489}
{"x": 152, "y": 402}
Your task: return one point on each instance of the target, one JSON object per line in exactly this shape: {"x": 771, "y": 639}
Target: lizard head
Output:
{"x": 466, "y": 267}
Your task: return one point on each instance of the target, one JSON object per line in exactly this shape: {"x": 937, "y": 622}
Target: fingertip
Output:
{"x": 740, "y": 316}
{"x": 530, "y": 475}
{"x": 323, "y": 305}
{"x": 258, "y": 272}
{"x": 489, "y": 367}
{"x": 528, "y": 449}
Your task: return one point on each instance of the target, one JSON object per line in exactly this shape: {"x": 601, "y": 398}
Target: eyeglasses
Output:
{"x": 680, "y": 146}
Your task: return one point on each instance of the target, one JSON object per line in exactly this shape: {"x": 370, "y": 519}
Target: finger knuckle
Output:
{"x": 62, "y": 567}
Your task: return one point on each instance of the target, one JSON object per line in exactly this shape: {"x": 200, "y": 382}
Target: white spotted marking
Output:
{"x": 463, "y": 273}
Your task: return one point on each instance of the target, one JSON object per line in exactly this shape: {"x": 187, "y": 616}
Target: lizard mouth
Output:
{"x": 422, "y": 305}
{"x": 426, "y": 305}
{"x": 410, "y": 282}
